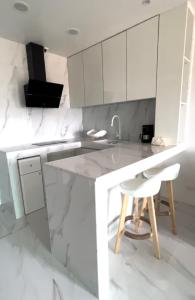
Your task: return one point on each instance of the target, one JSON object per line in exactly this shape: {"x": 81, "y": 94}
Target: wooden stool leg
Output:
{"x": 121, "y": 222}
{"x": 152, "y": 216}
{"x": 169, "y": 185}
{"x": 143, "y": 208}
{"x": 158, "y": 203}
{"x": 136, "y": 214}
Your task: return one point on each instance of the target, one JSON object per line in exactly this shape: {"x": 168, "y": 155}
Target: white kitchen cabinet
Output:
{"x": 114, "y": 68}
{"x": 31, "y": 183}
{"x": 29, "y": 165}
{"x": 76, "y": 80}
{"x": 93, "y": 81}
{"x": 173, "y": 74}
{"x": 142, "y": 44}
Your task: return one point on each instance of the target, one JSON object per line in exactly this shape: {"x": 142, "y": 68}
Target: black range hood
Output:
{"x": 39, "y": 92}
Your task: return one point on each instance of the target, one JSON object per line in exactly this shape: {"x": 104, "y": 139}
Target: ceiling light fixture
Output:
{"x": 73, "y": 31}
{"x": 146, "y": 2}
{"x": 21, "y": 6}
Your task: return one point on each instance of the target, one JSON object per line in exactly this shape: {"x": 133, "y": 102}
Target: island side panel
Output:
{"x": 101, "y": 206}
{"x": 72, "y": 223}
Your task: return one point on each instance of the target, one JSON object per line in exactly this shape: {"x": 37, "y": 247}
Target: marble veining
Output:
{"x": 74, "y": 209}
{"x": 140, "y": 276}
{"x": 80, "y": 205}
{"x": 133, "y": 115}
{"x": 31, "y": 272}
{"x": 10, "y": 190}
{"x": 8, "y": 222}
{"x": 22, "y": 125}
{"x": 99, "y": 163}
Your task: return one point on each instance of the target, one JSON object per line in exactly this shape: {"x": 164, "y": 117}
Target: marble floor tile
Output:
{"x": 30, "y": 272}
{"x": 136, "y": 274}
{"x": 38, "y": 222}
{"x": 8, "y": 222}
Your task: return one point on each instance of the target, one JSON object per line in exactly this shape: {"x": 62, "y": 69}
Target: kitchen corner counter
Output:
{"x": 114, "y": 157}
{"x": 83, "y": 204}
{"x": 10, "y": 186}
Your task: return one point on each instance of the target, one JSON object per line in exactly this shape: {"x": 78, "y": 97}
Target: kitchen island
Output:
{"x": 78, "y": 195}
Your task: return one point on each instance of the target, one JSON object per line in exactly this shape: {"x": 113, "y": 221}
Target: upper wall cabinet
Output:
{"x": 76, "y": 82}
{"x": 142, "y": 44}
{"x": 114, "y": 68}
{"x": 93, "y": 81}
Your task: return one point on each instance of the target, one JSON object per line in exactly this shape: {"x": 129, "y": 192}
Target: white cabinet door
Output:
{"x": 75, "y": 78}
{"x": 170, "y": 68}
{"x": 32, "y": 190}
{"x": 92, "y": 61}
{"x": 114, "y": 68}
{"x": 29, "y": 165}
{"x": 142, "y": 43}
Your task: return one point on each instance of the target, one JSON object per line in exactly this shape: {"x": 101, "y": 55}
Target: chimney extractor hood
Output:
{"x": 39, "y": 92}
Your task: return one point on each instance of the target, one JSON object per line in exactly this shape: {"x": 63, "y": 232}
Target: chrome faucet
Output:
{"x": 118, "y": 135}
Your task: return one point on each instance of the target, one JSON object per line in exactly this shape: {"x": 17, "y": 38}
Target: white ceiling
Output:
{"x": 47, "y": 21}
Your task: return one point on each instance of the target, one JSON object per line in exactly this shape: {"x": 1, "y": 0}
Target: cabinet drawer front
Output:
{"x": 32, "y": 190}
{"x": 29, "y": 165}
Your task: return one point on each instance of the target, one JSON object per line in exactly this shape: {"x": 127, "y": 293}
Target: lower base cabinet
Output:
{"x": 31, "y": 183}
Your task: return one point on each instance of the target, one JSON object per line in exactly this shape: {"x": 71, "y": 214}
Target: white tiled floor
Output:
{"x": 8, "y": 222}
{"x": 136, "y": 274}
{"x": 29, "y": 272}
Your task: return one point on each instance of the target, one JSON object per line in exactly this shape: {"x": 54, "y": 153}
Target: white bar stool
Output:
{"x": 144, "y": 189}
{"x": 166, "y": 174}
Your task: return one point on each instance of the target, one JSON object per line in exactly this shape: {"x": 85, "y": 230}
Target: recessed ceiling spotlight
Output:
{"x": 146, "y": 2}
{"x": 73, "y": 31}
{"x": 21, "y": 6}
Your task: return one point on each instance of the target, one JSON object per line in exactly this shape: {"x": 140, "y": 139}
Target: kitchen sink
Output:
{"x": 108, "y": 142}
{"x": 50, "y": 143}
{"x": 52, "y": 156}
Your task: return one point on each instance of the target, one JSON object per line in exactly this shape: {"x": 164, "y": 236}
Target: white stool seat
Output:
{"x": 141, "y": 187}
{"x": 165, "y": 173}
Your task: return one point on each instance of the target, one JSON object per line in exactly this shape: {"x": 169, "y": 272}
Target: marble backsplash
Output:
{"x": 21, "y": 125}
{"x": 133, "y": 115}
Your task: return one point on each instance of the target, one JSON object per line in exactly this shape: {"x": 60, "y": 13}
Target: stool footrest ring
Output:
{"x": 134, "y": 235}
{"x": 164, "y": 202}
{"x": 164, "y": 213}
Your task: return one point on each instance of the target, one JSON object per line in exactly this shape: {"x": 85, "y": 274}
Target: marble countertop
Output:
{"x": 99, "y": 163}
{"x": 52, "y": 145}
{"x": 35, "y": 146}
{"x": 107, "y": 159}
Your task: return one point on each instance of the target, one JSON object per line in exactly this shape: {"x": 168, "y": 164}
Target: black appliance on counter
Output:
{"x": 147, "y": 133}
{"x": 38, "y": 92}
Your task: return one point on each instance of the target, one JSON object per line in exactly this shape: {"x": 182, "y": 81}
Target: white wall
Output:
{"x": 185, "y": 184}
{"x": 20, "y": 125}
